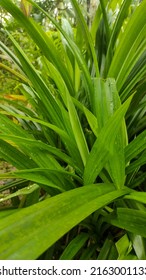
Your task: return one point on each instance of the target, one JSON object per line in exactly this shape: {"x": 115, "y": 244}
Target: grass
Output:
{"x": 77, "y": 139}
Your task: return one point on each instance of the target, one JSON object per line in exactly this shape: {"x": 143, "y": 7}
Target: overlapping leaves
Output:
{"x": 75, "y": 133}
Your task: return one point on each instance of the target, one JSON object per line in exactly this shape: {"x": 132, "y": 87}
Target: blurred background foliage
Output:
{"x": 58, "y": 9}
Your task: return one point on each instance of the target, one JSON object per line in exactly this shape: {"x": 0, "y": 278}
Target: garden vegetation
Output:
{"x": 75, "y": 136}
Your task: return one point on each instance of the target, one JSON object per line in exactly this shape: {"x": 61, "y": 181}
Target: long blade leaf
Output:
{"x": 51, "y": 219}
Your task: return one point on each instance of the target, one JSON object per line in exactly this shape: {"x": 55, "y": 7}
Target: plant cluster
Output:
{"x": 76, "y": 138}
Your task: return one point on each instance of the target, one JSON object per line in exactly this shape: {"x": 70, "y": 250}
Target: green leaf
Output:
{"x": 7, "y": 125}
{"x": 127, "y": 52}
{"x": 138, "y": 196}
{"x": 4, "y": 214}
{"x": 78, "y": 131}
{"x": 58, "y": 179}
{"x": 95, "y": 23}
{"x": 139, "y": 246}
{"x": 52, "y": 109}
{"x": 124, "y": 247}
{"x": 76, "y": 52}
{"x": 92, "y": 120}
{"x": 106, "y": 249}
{"x": 103, "y": 146}
{"x": 137, "y": 163}
{"x": 40, "y": 38}
{"x": 88, "y": 38}
{"x": 11, "y": 55}
{"x": 135, "y": 54}
{"x": 57, "y": 78}
{"x": 115, "y": 31}
{"x": 51, "y": 219}
{"x": 23, "y": 191}
{"x": 135, "y": 147}
{"x": 89, "y": 252}
{"x": 137, "y": 74}
{"x": 107, "y": 102}
{"x": 37, "y": 149}
{"x": 74, "y": 246}
{"x": 15, "y": 73}
{"x": 129, "y": 219}
{"x": 137, "y": 181}
{"x": 105, "y": 18}
{"x": 14, "y": 156}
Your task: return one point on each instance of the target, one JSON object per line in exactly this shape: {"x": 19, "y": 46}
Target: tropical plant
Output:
{"x": 76, "y": 137}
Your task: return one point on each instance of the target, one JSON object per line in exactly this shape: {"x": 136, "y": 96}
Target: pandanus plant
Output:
{"x": 78, "y": 144}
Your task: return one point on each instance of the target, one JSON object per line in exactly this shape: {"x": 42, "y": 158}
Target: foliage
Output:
{"x": 76, "y": 137}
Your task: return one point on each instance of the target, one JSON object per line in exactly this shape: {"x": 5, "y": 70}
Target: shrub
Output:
{"x": 77, "y": 139}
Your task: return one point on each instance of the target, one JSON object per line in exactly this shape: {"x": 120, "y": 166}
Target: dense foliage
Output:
{"x": 75, "y": 135}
